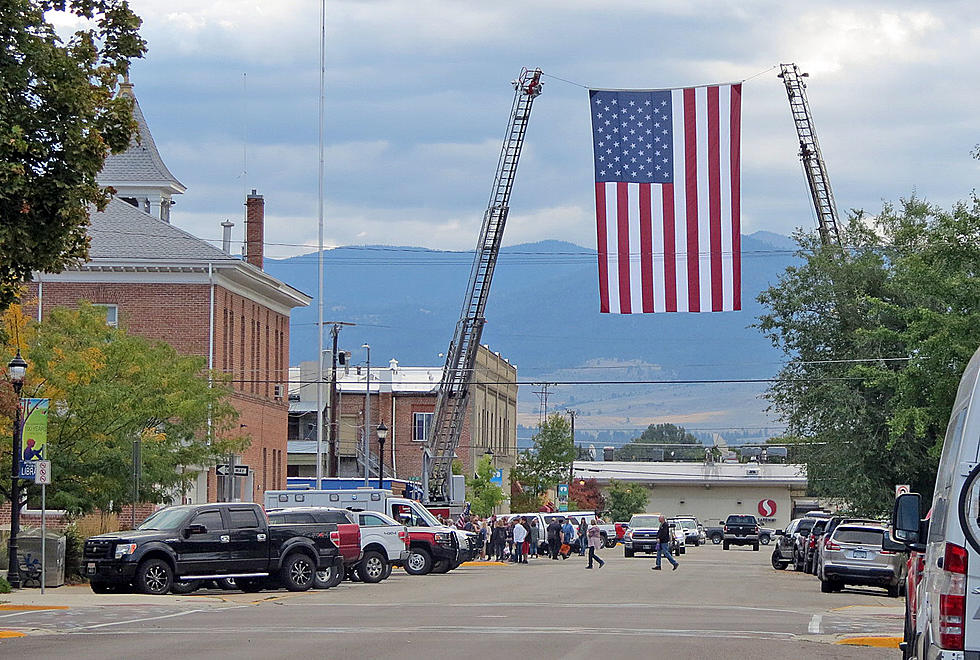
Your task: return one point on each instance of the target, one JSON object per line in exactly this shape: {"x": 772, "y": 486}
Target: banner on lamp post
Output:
{"x": 34, "y": 445}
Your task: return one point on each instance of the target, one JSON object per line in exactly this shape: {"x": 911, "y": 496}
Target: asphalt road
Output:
{"x": 717, "y": 604}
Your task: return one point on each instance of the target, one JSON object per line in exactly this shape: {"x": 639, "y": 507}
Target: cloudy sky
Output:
{"x": 418, "y": 96}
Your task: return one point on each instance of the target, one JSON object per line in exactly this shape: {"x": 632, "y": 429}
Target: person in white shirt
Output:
{"x": 520, "y": 534}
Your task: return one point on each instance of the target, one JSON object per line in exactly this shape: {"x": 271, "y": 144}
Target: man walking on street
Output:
{"x": 554, "y": 537}
{"x": 663, "y": 545}
{"x": 595, "y": 542}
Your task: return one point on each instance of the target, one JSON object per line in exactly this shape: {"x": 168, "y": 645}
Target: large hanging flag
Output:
{"x": 667, "y": 199}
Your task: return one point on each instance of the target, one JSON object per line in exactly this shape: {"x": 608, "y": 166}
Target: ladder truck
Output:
{"x": 810, "y": 155}
{"x": 451, "y": 404}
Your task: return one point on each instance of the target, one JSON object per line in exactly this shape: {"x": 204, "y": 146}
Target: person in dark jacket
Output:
{"x": 554, "y": 537}
{"x": 498, "y": 539}
{"x": 663, "y": 546}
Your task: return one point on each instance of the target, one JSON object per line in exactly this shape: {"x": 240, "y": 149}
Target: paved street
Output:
{"x": 731, "y": 602}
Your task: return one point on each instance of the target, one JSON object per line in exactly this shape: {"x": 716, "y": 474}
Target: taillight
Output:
{"x": 725, "y": 529}
{"x": 335, "y": 538}
{"x": 830, "y": 545}
{"x": 403, "y": 535}
{"x": 952, "y": 598}
{"x": 757, "y": 529}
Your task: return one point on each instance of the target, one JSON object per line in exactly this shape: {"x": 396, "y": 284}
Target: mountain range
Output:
{"x": 542, "y": 315}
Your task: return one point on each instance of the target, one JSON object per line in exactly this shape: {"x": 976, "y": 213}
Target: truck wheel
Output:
{"x": 228, "y": 584}
{"x": 297, "y": 572}
{"x": 250, "y": 585}
{"x": 154, "y": 577}
{"x": 764, "y": 539}
{"x": 627, "y": 553}
{"x": 610, "y": 543}
{"x": 716, "y": 538}
{"x": 755, "y": 546}
{"x": 419, "y": 562}
{"x": 826, "y": 586}
{"x": 441, "y": 566}
{"x": 328, "y": 578}
{"x": 777, "y": 562}
{"x": 185, "y": 587}
{"x": 371, "y": 568}
{"x": 893, "y": 591}
{"x": 725, "y": 546}
{"x": 387, "y": 571}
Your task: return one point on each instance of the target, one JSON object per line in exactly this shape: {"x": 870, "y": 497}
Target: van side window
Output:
{"x": 951, "y": 451}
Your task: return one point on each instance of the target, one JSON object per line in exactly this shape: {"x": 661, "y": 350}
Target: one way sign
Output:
{"x": 224, "y": 470}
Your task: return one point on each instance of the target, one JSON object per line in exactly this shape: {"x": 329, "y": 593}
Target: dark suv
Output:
{"x": 741, "y": 529}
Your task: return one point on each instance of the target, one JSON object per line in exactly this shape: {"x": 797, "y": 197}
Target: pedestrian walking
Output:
{"x": 520, "y": 535}
{"x": 568, "y": 535}
{"x": 583, "y": 531}
{"x": 595, "y": 542}
{"x": 554, "y": 537}
{"x": 663, "y": 545}
{"x": 534, "y": 537}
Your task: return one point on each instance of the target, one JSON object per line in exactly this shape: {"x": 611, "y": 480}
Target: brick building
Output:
{"x": 404, "y": 398}
{"x": 163, "y": 283}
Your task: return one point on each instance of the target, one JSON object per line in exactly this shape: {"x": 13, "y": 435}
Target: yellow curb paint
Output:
{"x": 10, "y": 634}
{"x": 31, "y": 608}
{"x": 483, "y": 563}
{"x": 877, "y": 642}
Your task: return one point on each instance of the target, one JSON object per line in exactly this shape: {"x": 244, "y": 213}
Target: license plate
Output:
{"x": 90, "y": 568}
{"x": 860, "y": 554}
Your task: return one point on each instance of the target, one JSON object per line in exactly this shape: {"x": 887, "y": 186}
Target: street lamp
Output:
{"x": 17, "y": 371}
{"x": 382, "y": 436}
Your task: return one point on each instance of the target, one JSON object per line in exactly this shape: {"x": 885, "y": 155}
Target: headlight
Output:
{"x": 629, "y": 535}
{"x": 443, "y": 537}
{"x": 125, "y": 549}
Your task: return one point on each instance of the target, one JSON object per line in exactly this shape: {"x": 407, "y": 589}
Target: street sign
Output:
{"x": 902, "y": 489}
{"x": 28, "y": 469}
{"x": 223, "y": 469}
{"x": 42, "y": 474}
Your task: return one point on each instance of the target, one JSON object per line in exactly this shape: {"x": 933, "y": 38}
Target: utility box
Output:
{"x": 29, "y": 551}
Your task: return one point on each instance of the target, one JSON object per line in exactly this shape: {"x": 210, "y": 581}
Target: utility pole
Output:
{"x": 571, "y": 465}
{"x": 367, "y": 419}
{"x": 543, "y": 397}
{"x": 334, "y": 418}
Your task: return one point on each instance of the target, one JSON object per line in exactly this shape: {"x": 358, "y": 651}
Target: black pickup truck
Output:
{"x": 741, "y": 529}
{"x": 183, "y": 544}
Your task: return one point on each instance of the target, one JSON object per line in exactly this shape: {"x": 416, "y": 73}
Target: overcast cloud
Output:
{"x": 418, "y": 95}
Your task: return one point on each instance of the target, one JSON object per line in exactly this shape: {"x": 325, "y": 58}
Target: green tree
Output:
{"x": 484, "y": 495}
{"x": 876, "y": 339}
{"x": 623, "y": 500}
{"x": 662, "y": 439}
{"x": 59, "y": 118}
{"x": 547, "y": 462}
{"x": 108, "y": 388}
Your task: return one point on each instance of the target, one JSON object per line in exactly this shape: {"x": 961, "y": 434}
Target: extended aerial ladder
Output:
{"x": 813, "y": 164}
{"x": 451, "y": 404}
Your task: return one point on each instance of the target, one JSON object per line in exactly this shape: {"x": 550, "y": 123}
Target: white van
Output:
{"x": 947, "y": 601}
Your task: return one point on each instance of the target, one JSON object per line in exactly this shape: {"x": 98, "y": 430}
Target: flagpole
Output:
{"x": 319, "y": 304}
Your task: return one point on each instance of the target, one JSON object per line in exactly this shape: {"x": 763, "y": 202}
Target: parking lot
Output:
{"x": 718, "y": 601}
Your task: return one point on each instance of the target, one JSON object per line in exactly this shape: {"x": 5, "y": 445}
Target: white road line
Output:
{"x": 5, "y": 616}
{"x": 148, "y": 618}
{"x": 814, "y": 627}
{"x": 587, "y": 606}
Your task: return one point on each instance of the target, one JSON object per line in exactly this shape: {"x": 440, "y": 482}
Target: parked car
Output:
{"x": 741, "y": 529}
{"x": 348, "y": 537}
{"x": 800, "y": 533}
{"x": 693, "y": 531}
{"x": 716, "y": 534}
{"x": 188, "y": 543}
{"x": 642, "y": 536}
{"x": 832, "y": 524}
{"x": 811, "y": 543}
{"x": 783, "y": 553}
{"x": 854, "y": 555}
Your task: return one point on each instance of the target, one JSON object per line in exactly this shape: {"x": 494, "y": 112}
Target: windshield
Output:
{"x": 741, "y": 520}
{"x": 165, "y": 519}
{"x": 644, "y": 521}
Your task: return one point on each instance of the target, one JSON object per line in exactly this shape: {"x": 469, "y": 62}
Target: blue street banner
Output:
{"x": 497, "y": 477}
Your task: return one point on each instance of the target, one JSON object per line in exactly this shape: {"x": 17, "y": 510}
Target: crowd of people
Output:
{"x": 518, "y": 539}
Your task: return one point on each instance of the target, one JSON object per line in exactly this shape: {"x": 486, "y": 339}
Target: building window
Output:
{"x": 111, "y": 314}
{"x": 421, "y": 421}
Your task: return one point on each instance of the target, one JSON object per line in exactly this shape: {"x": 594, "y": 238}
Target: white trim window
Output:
{"x": 421, "y": 421}
{"x": 111, "y": 314}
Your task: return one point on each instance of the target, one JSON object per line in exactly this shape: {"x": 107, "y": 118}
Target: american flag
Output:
{"x": 667, "y": 199}
{"x": 463, "y": 517}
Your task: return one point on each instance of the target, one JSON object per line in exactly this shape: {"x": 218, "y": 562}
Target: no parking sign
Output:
{"x": 902, "y": 489}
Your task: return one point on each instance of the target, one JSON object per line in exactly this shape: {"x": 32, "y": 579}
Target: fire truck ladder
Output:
{"x": 451, "y": 403}
{"x": 812, "y": 159}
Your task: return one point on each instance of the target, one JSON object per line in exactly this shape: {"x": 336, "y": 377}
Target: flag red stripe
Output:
{"x": 736, "y": 120}
{"x": 691, "y": 196}
{"x": 623, "y": 213}
{"x": 646, "y": 247}
{"x": 714, "y": 199}
{"x": 670, "y": 250}
{"x": 600, "y": 215}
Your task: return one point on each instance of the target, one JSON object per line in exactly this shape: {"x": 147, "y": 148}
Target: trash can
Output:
{"x": 29, "y": 557}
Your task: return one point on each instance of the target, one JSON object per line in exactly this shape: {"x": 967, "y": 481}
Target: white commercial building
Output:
{"x": 710, "y": 491}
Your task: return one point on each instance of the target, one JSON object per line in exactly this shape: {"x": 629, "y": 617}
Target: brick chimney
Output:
{"x": 254, "y": 228}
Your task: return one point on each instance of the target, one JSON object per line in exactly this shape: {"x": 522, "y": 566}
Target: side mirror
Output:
{"x": 194, "y": 529}
{"x": 779, "y": 532}
{"x": 906, "y": 519}
{"x": 890, "y": 545}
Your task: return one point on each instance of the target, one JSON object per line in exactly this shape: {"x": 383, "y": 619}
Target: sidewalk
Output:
{"x": 82, "y": 596}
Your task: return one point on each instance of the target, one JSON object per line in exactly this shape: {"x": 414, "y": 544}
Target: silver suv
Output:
{"x": 853, "y": 555}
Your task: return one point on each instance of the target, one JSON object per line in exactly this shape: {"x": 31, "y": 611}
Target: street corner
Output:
{"x": 878, "y": 626}
{"x": 11, "y": 634}
{"x": 880, "y": 642}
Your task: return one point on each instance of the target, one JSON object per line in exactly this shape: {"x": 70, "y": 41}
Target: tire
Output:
{"x": 103, "y": 587}
{"x": 419, "y": 562}
{"x": 250, "y": 585}
{"x": 755, "y": 546}
{"x": 297, "y": 572}
{"x": 387, "y": 571}
{"x": 893, "y": 591}
{"x": 371, "y": 568}
{"x": 826, "y": 586}
{"x": 717, "y": 538}
{"x": 228, "y": 584}
{"x": 328, "y": 578}
{"x": 838, "y": 585}
{"x": 608, "y": 542}
{"x": 154, "y": 577}
{"x": 764, "y": 539}
{"x": 725, "y": 546}
{"x": 185, "y": 587}
{"x": 778, "y": 563}
{"x": 441, "y": 566}
{"x": 627, "y": 553}
{"x": 697, "y": 542}
{"x": 682, "y": 550}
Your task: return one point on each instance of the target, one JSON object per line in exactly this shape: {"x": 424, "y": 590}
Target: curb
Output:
{"x": 877, "y": 642}
{"x": 31, "y": 608}
{"x": 11, "y": 634}
{"x": 484, "y": 563}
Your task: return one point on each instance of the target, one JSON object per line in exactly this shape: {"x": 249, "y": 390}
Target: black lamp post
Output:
{"x": 17, "y": 370}
{"x": 382, "y": 436}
